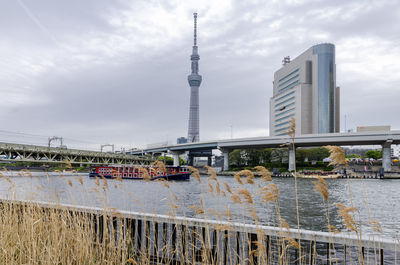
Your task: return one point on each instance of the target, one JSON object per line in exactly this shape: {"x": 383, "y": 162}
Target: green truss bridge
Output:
{"x": 44, "y": 154}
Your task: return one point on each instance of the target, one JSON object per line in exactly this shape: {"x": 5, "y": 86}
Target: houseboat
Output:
{"x": 140, "y": 172}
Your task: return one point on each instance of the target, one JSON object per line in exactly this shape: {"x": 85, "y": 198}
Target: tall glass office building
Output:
{"x": 305, "y": 88}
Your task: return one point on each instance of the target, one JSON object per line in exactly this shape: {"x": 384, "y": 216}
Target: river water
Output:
{"x": 375, "y": 199}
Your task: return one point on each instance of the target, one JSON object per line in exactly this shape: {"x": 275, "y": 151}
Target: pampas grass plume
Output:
{"x": 246, "y": 195}
{"x": 265, "y": 174}
{"x": 321, "y": 186}
{"x": 347, "y": 218}
{"x": 227, "y": 187}
{"x": 235, "y": 198}
{"x": 337, "y": 156}
{"x": 269, "y": 193}
{"x": 247, "y": 173}
{"x": 195, "y": 173}
{"x": 211, "y": 172}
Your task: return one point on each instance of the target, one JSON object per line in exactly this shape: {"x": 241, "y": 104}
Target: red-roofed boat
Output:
{"x": 139, "y": 172}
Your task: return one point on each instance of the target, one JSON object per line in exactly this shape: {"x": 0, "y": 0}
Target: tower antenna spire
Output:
{"x": 194, "y": 80}
{"x": 195, "y": 29}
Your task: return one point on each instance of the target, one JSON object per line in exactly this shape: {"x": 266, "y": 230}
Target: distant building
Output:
{"x": 305, "y": 88}
{"x": 395, "y": 152}
{"x": 181, "y": 140}
{"x": 383, "y": 128}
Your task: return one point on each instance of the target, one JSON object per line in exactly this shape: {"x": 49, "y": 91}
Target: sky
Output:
{"x": 100, "y": 71}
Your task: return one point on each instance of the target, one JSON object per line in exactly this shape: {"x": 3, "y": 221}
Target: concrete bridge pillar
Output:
{"x": 292, "y": 158}
{"x": 190, "y": 160}
{"x": 225, "y": 153}
{"x": 209, "y": 161}
{"x": 176, "y": 159}
{"x": 175, "y": 156}
{"x": 386, "y": 156}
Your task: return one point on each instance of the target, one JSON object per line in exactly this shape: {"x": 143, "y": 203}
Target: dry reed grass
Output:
{"x": 348, "y": 219}
{"x": 211, "y": 173}
{"x": 32, "y": 235}
{"x": 247, "y": 173}
{"x": 321, "y": 186}
{"x": 159, "y": 166}
{"x": 195, "y": 173}
{"x": 245, "y": 194}
{"x": 337, "y": 155}
{"x": 269, "y": 193}
{"x": 265, "y": 174}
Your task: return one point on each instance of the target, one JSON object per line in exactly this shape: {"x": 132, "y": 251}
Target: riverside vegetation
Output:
{"x": 30, "y": 234}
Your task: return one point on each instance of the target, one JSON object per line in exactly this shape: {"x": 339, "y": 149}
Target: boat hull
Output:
{"x": 183, "y": 176}
{"x": 315, "y": 176}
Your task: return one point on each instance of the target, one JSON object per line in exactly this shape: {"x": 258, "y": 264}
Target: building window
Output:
{"x": 286, "y": 117}
{"x": 282, "y": 134}
{"x": 285, "y": 107}
{"x": 285, "y": 101}
{"x": 284, "y": 112}
{"x": 285, "y": 96}
{"x": 283, "y": 123}
{"x": 289, "y": 86}
{"x": 283, "y": 129}
{"x": 287, "y": 81}
{"x": 326, "y": 87}
{"x": 286, "y": 76}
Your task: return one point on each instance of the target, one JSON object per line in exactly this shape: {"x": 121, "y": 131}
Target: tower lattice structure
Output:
{"x": 194, "y": 80}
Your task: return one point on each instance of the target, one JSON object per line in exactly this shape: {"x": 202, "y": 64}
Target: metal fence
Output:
{"x": 180, "y": 240}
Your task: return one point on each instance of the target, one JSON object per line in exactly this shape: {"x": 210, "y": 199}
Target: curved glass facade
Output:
{"x": 326, "y": 87}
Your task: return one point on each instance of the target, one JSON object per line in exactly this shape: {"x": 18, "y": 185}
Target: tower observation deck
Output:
{"x": 194, "y": 80}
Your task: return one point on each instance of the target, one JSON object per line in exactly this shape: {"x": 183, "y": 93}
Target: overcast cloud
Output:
{"x": 105, "y": 71}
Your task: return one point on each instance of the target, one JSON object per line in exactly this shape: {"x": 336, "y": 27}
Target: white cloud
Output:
{"x": 369, "y": 59}
{"x": 141, "y": 50}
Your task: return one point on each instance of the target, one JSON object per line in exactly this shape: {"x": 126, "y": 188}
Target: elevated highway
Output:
{"x": 385, "y": 139}
{"x": 35, "y": 153}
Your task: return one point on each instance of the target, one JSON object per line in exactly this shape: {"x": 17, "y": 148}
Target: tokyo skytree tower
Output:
{"x": 194, "y": 80}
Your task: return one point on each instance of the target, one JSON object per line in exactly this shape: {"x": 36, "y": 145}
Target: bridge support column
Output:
{"x": 386, "y": 156}
{"x": 225, "y": 153}
{"x": 176, "y": 159}
{"x": 190, "y": 160}
{"x": 175, "y": 156}
{"x": 291, "y": 157}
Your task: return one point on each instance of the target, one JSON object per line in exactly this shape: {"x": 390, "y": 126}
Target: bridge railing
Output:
{"x": 55, "y": 150}
{"x": 168, "y": 239}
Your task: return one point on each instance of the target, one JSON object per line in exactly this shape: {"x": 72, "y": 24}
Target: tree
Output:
{"x": 250, "y": 157}
{"x": 253, "y": 157}
{"x": 235, "y": 158}
{"x": 167, "y": 160}
{"x": 353, "y": 156}
{"x": 280, "y": 155}
{"x": 375, "y": 154}
{"x": 265, "y": 156}
{"x": 302, "y": 154}
{"x": 318, "y": 153}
